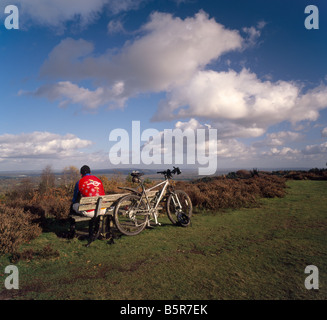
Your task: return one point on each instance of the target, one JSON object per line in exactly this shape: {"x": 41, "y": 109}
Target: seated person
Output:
{"x": 87, "y": 186}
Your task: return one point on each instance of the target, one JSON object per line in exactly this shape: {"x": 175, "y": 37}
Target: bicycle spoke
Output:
{"x": 130, "y": 215}
{"x": 179, "y": 208}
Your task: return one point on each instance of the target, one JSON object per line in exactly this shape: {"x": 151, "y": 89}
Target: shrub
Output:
{"x": 219, "y": 193}
{"x": 57, "y": 208}
{"x": 16, "y": 227}
{"x": 36, "y": 212}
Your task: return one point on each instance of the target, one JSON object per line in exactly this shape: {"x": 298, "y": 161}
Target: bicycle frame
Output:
{"x": 152, "y": 210}
{"x": 135, "y": 210}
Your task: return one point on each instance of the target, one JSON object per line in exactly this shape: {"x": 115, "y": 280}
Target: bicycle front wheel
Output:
{"x": 130, "y": 215}
{"x": 179, "y": 203}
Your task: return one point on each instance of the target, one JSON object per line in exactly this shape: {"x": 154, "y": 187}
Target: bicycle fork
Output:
{"x": 177, "y": 203}
{"x": 155, "y": 216}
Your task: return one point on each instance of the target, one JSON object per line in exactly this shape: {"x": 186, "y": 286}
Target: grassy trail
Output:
{"x": 257, "y": 253}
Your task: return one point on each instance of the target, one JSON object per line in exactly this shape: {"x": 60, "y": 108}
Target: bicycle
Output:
{"x": 134, "y": 211}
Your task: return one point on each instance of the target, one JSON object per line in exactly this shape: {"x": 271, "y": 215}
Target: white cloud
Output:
{"x": 40, "y": 145}
{"x": 241, "y": 99}
{"x": 230, "y": 130}
{"x": 226, "y": 148}
{"x": 192, "y": 124}
{"x": 117, "y": 6}
{"x": 315, "y": 149}
{"x": 277, "y": 139}
{"x": 284, "y": 153}
{"x": 253, "y": 33}
{"x": 115, "y": 26}
{"x": 167, "y": 55}
{"x": 171, "y": 55}
{"x": 56, "y": 13}
{"x": 324, "y": 132}
{"x": 70, "y": 93}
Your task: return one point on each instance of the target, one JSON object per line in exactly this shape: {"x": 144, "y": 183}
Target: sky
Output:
{"x": 75, "y": 72}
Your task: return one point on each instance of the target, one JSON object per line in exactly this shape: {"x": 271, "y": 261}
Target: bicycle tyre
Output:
{"x": 186, "y": 209}
{"x": 126, "y": 222}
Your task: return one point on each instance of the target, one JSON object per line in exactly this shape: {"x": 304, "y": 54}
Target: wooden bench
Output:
{"x": 100, "y": 224}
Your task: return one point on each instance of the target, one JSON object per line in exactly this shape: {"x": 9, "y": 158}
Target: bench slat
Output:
{"x": 109, "y": 197}
{"x": 80, "y": 218}
{"x": 89, "y": 203}
{"x": 104, "y": 205}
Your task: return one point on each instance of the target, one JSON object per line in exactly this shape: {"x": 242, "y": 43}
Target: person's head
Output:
{"x": 85, "y": 170}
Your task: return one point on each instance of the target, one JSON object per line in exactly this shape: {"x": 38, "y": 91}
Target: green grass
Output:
{"x": 257, "y": 253}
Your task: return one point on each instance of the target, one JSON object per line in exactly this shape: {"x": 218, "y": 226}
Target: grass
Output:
{"x": 257, "y": 253}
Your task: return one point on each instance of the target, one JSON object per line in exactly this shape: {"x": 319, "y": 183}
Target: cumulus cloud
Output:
{"x": 167, "y": 55}
{"x": 315, "y": 149}
{"x": 284, "y": 154}
{"x": 241, "y": 99}
{"x": 172, "y": 55}
{"x": 230, "y": 130}
{"x": 40, "y": 145}
{"x": 57, "y": 13}
{"x": 277, "y": 139}
{"x": 70, "y": 93}
{"x": 221, "y": 148}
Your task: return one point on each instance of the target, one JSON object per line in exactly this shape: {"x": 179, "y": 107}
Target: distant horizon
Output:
{"x": 153, "y": 170}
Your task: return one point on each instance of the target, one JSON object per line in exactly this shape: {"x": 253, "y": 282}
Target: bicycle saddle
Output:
{"x": 137, "y": 174}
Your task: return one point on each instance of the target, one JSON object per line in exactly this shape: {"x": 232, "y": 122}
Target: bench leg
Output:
{"x": 109, "y": 229}
{"x": 72, "y": 228}
{"x": 103, "y": 227}
{"x": 94, "y": 229}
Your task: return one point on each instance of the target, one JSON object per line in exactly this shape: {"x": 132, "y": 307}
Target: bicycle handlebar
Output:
{"x": 169, "y": 172}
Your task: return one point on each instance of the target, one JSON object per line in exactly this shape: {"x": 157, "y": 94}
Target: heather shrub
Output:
{"x": 271, "y": 186}
{"x": 220, "y": 193}
{"x": 56, "y": 207}
{"x": 55, "y": 203}
{"x": 16, "y": 227}
{"x": 112, "y": 185}
{"x": 36, "y": 212}
{"x": 312, "y": 174}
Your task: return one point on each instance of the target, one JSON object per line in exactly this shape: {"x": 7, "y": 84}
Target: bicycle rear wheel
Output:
{"x": 130, "y": 215}
{"x": 179, "y": 208}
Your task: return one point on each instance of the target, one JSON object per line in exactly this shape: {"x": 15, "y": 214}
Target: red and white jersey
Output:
{"x": 90, "y": 186}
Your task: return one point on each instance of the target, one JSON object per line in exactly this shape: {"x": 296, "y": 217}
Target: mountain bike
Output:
{"x": 134, "y": 211}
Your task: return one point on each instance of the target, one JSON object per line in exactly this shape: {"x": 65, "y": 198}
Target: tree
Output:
{"x": 47, "y": 179}
{"x": 24, "y": 190}
{"x": 70, "y": 175}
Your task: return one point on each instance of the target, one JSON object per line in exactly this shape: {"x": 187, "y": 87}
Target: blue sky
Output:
{"x": 74, "y": 71}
